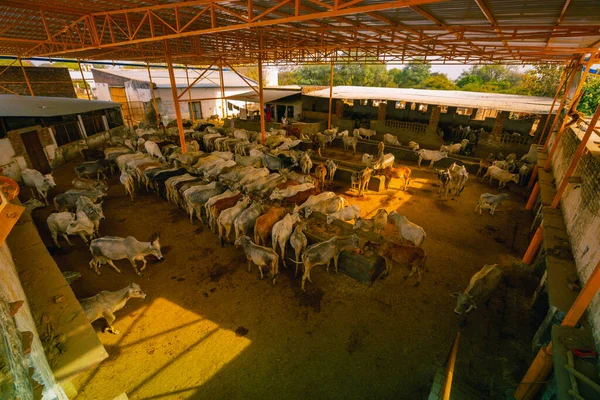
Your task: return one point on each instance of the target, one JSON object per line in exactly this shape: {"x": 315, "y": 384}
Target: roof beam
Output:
{"x": 560, "y": 18}
{"x": 490, "y": 17}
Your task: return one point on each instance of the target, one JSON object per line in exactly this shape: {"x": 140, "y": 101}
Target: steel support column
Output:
{"x": 190, "y": 107}
{"x": 176, "y": 102}
{"x": 534, "y": 174}
{"x": 26, "y": 78}
{"x": 533, "y": 196}
{"x": 542, "y": 365}
{"x": 261, "y": 95}
{"x": 330, "y": 95}
{"x": 573, "y": 105}
{"x": 222, "y": 84}
{"x": 578, "y": 154}
{"x": 85, "y": 85}
{"x": 534, "y": 246}
{"x": 449, "y": 370}
{"x": 153, "y": 96}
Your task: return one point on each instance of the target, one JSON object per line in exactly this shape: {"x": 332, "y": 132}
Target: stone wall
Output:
{"x": 580, "y": 204}
{"x": 49, "y": 82}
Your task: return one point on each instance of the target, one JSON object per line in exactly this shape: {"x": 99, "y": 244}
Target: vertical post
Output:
{"x": 222, "y": 83}
{"x": 175, "y": 99}
{"x": 153, "y": 96}
{"x": 541, "y": 367}
{"x": 534, "y": 246}
{"x": 572, "y": 105}
{"x": 261, "y": 96}
{"x": 330, "y": 95}
{"x": 26, "y": 78}
{"x": 449, "y": 370}
{"x": 568, "y": 84}
{"x": 190, "y": 106}
{"x": 533, "y": 196}
{"x": 578, "y": 154}
{"x": 562, "y": 80}
{"x": 85, "y": 85}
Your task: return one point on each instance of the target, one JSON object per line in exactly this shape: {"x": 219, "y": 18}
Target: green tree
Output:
{"x": 438, "y": 81}
{"x": 412, "y": 75}
{"x": 591, "y": 96}
{"x": 542, "y": 80}
{"x": 26, "y": 63}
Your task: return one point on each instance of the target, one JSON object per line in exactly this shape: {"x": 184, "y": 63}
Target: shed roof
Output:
{"x": 26, "y": 106}
{"x": 269, "y": 95}
{"x": 160, "y": 77}
{"x": 452, "y": 98}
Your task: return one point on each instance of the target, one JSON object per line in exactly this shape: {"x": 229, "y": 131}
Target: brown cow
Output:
{"x": 402, "y": 254}
{"x": 264, "y": 224}
{"x": 220, "y": 205}
{"x": 397, "y": 173}
{"x": 300, "y": 197}
{"x": 320, "y": 174}
{"x": 287, "y": 183}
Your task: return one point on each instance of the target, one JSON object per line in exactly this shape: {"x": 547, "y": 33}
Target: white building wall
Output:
{"x": 102, "y": 92}
{"x": 209, "y": 107}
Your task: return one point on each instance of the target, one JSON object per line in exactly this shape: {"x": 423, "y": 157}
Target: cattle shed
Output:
{"x": 45, "y": 132}
{"x": 205, "y": 327}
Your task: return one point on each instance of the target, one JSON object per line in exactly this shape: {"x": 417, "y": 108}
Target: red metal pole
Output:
{"x": 534, "y": 246}
{"x": 176, "y": 101}
{"x": 562, "y": 79}
{"x": 533, "y": 196}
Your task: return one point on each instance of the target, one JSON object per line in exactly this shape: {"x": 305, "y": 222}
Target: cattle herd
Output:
{"x": 254, "y": 195}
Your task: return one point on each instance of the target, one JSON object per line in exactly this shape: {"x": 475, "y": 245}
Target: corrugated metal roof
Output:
{"x": 452, "y": 98}
{"x": 269, "y": 95}
{"x": 25, "y": 106}
{"x": 160, "y": 77}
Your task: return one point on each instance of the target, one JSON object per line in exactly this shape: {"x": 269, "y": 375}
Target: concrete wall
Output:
{"x": 102, "y": 92}
{"x": 50, "y": 82}
{"x": 580, "y": 205}
{"x": 11, "y": 289}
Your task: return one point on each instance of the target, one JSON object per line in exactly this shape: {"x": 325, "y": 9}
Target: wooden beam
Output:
{"x": 176, "y": 101}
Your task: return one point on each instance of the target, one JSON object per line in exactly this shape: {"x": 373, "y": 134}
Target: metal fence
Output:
{"x": 412, "y": 126}
{"x": 67, "y": 132}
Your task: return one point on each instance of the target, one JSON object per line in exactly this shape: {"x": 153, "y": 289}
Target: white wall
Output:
{"x": 209, "y": 107}
{"x": 582, "y": 216}
{"x": 102, "y": 92}
{"x": 11, "y": 289}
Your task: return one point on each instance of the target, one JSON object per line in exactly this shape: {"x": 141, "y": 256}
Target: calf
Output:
{"x": 484, "y": 164}
{"x": 403, "y": 254}
{"x": 42, "y": 183}
{"x": 93, "y": 211}
{"x": 375, "y": 224}
{"x": 364, "y": 177}
{"x": 445, "y": 179}
{"x": 350, "y": 141}
{"x": 298, "y": 241}
{"x": 328, "y": 206}
{"x": 68, "y": 199}
{"x": 105, "y": 304}
{"x": 282, "y": 230}
{"x": 280, "y": 194}
{"x": 414, "y": 146}
{"x": 306, "y": 163}
{"x": 452, "y": 148}
{"x": 91, "y": 168}
{"x": 153, "y": 150}
{"x": 488, "y": 201}
{"x": 109, "y": 248}
{"x": 261, "y": 256}
{"x": 430, "y": 155}
{"x": 228, "y": 216}
{"x": 380, "y": 149}
{"x": 391, "y": 140}
{"x": 396, "y": 173}
{"x": 364, "y": 132}
{"x": 312, "y": 200}
{"x": 481, "y": 287}
{"x": 247, "y": 219}
{"x": 128, "y": 184}
{"x": 408, "y": 230}
{"x": 322, "y": 253}
{"x": 459, "y": 177}
{"x": 264, "y": 224}
{"x": 88, "y": 184}
{"x": 320, "y": 174}
{"x": 220, "y": 206}
{"x": 503, "y": 176}
{"x": 331, "y": 168}
{"x": 66, "y": 223}
{"x": 346, "y": 214}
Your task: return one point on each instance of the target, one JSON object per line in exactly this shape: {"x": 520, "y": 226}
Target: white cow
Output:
{"x": 282, "y": 230}
{"x": 280, "y": 194}
{"x": 345, "y": 214}
{"x": 501, "y": 175}
{"x": 430, "y": 155}
{"x": 314, "y": 199}
{"x": 67, "y": 223}
{"x": 228, "y": 216}
{"x": 42, "y": 183}
{"x": 408, "y": 230}
{"x": 391, "y": 140}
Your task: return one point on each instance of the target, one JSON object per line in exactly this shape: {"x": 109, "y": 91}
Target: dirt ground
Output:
{"x": 209, "y": 329}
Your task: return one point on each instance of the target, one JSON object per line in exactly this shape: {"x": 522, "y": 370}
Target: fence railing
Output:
{"x": 93, "y": 125}
{"x": 67, "y": 132}
{"x": 515, "y": 139}
{"x": 412, "y": 126}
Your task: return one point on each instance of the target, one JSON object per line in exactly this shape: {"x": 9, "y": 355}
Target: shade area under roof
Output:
{"x": 269, "y": 95}
{"x": 26, "y": 106}
{"x": 451, "y": 98}
{"x": 160, "y": 77}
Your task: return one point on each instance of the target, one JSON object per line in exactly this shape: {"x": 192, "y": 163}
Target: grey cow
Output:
{"x": 481, "y": 287}
{"x": 93, "y": 211}
{"x": 322, "y": 254}
{"x": 261, "y": 256}
{"x": 91, "y": 168}
{"x": 104, "y": 305}
{"x": 108, "y": 248}
{"x": 68, "y": 199}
